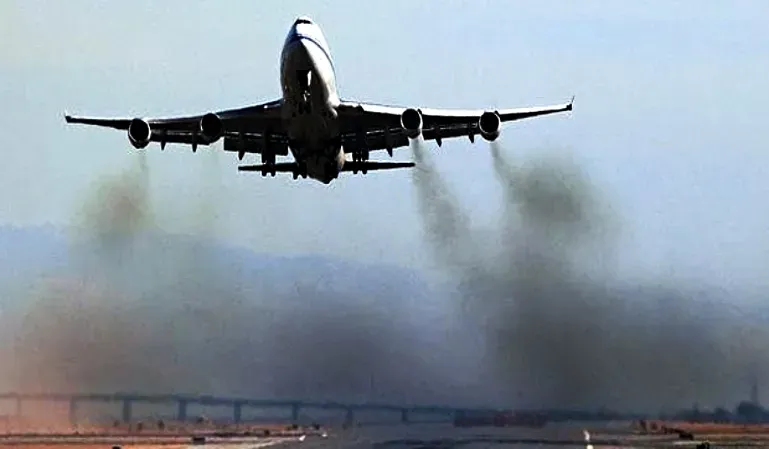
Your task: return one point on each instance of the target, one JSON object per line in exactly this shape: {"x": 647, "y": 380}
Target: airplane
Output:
{"x": 312, "y": 122}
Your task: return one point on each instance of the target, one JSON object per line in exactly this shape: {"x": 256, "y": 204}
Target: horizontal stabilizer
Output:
{"x": 375, "y": 165}
{"x": 291, "y": 167}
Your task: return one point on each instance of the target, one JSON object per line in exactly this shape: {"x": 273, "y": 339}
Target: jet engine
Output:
{"x": 211, "y": 127}
{"x": 489, "y": 125}
{"x": 139, "y": 133}
{"x": 411, "y": 122}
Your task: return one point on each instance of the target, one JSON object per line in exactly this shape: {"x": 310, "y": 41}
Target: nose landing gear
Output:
{"x": 304, "y": 81}
{"x": 304, "y": 78}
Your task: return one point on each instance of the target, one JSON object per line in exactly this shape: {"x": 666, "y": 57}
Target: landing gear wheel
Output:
{"x": 359, "y": 161}
{"x": 301, "y": 170}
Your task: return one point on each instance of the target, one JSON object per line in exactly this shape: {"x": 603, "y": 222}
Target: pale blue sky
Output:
{"x": 671, "y": 99}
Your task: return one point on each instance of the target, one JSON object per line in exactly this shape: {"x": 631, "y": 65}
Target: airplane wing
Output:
{"x": 377, "y": 127}
{"x": 247, "y": 129}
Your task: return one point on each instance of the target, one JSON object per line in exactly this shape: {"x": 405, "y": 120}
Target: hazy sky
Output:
{"x": 671, "y": 99}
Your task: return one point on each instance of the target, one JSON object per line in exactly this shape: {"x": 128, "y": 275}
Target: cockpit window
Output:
{"x": 303, "y": 20}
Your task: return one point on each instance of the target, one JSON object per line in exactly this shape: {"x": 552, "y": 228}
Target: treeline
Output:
{"x": 744, "y": 412}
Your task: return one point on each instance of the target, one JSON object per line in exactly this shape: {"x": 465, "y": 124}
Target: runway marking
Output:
{"x": 246, "y": 445}
{"x": 587, "y": 439}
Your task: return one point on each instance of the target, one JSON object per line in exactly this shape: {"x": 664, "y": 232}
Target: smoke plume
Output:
{"x": 446, "y": 226}
{"x": 141, "y": 310}
{"x": 560, "y": 329}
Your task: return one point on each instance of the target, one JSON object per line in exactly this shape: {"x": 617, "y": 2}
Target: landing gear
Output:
{"x": 303, "y": 107}
{"x": 304, "y": 80}
{"x": 301, "y": 170}
{"x": 359, "y": 158}
{"x": 268, "y": 159}
{"x": 271, "y": 171}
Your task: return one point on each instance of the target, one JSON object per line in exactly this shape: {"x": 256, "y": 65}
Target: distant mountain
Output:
{"x": 159, "y": 312}
{"x": 24, "y": 251}
{"x": 30, "y": 250}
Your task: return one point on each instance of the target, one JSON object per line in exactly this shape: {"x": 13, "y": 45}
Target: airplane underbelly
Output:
{"x": 314, "y": 129}
{"x": 309, "y": 129}
{"x": 313, "y": 142}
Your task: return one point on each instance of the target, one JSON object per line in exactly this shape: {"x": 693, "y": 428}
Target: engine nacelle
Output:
{"x": 411, "y": 122}
{"x": 489, "y": 126}
{"x": 139, "y": 133}
{"x": 211, "y": 127}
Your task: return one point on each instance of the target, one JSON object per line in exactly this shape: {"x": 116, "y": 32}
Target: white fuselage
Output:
{"x": 310, "y": 101}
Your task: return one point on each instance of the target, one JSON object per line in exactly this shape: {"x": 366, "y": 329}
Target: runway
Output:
{"x": 558, "y": 435}
{"x": 436, "y": 436}
{"x": 449, "y": 437}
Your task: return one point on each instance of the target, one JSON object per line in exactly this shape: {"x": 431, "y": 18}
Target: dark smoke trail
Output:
{"x": 562, "y": 332}
{"x": 210, "y": 196}
{"x": 550, "y": 320}
{"x": 452, "y": 240}
{"x": 138, "y": 309}
{"x": 446, "y": 226}
{"x": 119, "y": 207}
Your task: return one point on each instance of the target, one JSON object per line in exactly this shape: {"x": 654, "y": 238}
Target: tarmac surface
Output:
{"x": 436, "y": 436}
{"x": 583, "y": 436}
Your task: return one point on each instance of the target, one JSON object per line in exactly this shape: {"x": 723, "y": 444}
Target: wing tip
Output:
{"x": 67, "y": 117}
{"x": 570, "y": 106}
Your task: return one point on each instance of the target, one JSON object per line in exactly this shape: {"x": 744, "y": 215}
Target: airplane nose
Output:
{"x": 303, "y": 20}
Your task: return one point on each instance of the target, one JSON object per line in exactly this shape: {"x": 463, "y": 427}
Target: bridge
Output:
{"x": 127, "y": 400}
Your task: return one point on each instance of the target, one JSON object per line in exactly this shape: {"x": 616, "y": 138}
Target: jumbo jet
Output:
{"x": 312, "y": 122}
